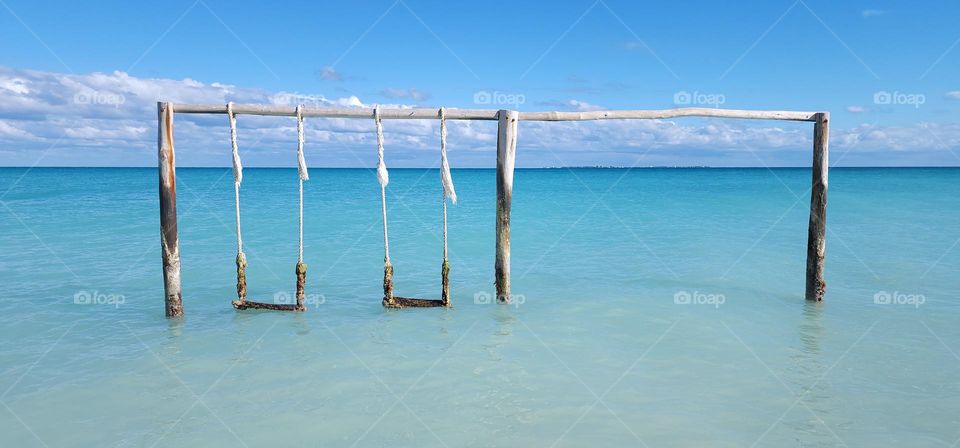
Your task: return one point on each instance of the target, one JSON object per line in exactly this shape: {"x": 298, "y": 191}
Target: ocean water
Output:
{"x": 654, "y": 307}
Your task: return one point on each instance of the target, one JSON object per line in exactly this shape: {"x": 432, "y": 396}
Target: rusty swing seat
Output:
{"x": 242, "y": 303}
{"x": 390, "y": 300}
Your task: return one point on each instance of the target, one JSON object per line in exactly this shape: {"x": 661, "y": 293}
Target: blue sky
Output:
{"x": 887, "y": 72}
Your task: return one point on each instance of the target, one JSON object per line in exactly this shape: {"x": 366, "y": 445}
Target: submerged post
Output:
{"x": 816, "y": 232}
{"x": 506, "y": 154}
{"x": 169, "y": 242}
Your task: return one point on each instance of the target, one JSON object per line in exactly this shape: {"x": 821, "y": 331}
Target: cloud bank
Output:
{"x": 107, "y": 119}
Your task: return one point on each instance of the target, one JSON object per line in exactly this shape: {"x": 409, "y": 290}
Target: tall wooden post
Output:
{"x": 816, "y": 232}
{"x": 506, "y": 154}
{"x": 169, "y": 242}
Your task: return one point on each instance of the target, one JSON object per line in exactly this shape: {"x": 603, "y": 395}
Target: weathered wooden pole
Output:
{"x": 816, "y": 232}
{"x": 169, "y": 242}
{"x": 506, "y": 154}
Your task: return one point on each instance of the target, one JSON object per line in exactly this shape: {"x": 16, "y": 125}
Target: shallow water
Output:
{"x": 596, "y": 350}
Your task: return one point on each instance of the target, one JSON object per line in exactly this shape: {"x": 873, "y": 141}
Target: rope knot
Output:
{"x": 382, "y": 175}
{"x": 237, "y": 166}
{"x": 301, "y": 162}
{"x": 445, "y": 177}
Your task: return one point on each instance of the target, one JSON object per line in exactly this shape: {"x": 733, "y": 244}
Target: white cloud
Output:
{"x": 110, "y": 118}
{"x": 919, "y": 137}
{"x": 330, "y": 74}
{"x": 411, "y": 93}
{"x": 313, "y": 100}
{"x": 118, "y": 111}
{"x": 872, "y": 12}
{"x": 856, "y": 109}
{"x": 583, "y": 106}
{"x": 15, "y": 85}
{"x": 11, "y": 132}
{"x": 91, "y": 133}
{"x": 573, "y": 105}
{"x": 952, "y": 95}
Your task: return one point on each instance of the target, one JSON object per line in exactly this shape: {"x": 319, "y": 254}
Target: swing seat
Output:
{"x": 242, "y": 303}
{"x": 245, "y": 304}
{"x": 390, "y": 300}
{"x": 251, "y": 305}
{"x": 405, "y": 302}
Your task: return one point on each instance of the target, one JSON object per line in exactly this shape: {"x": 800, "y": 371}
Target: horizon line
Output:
{"x": 612, "y": 167}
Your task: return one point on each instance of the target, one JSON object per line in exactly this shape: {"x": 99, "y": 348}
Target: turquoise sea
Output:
{"x": 654, "y": 307}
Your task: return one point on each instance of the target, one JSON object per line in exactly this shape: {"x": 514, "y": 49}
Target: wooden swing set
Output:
{"x": 506, "y": 155}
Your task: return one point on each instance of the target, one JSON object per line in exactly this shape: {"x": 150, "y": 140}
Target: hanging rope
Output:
{"x": 448, "y": 191}
{"x": 445, "y": 177}
{"x": 303, "y": 175}
{"x": 384, "y": 178}
{"x": 237, "y": 178}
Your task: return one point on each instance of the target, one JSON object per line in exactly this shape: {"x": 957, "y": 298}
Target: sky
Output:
{"x": 79, "y": 81}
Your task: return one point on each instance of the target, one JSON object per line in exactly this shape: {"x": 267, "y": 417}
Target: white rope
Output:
{"x": 444, "y": 229}
{"x": 301, "y": 162}
{"x": 384, "y": 178}
{"x": 302, "y": 171}
{"x": 237, "y": 167}
{"x": 237, "y": 173}
{"x": 445, "y": 177}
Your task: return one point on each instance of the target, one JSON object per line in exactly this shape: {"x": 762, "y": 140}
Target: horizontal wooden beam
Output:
{"x": 346, "y": 112}
{"x": 491, "y": 114}
{"x": 668, "y": 113}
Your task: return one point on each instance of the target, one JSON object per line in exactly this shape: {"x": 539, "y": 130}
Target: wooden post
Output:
{"x": 816, "y": 232}
{"x": 169, "y": 242}
{"x": 506, "y": 154}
